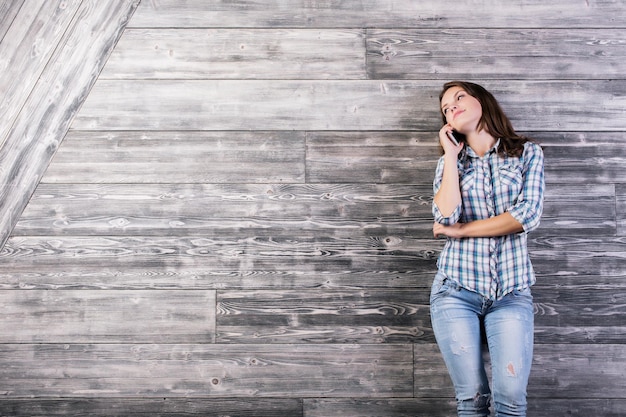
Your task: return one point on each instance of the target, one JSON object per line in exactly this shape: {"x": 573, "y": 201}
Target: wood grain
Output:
{"x": 313, "y": 105}
{"x": 323, "y": 316}
{"x": 444, "y": 407}
{"x": 277, "y": 260}
{"x": 621, "y": 209}
{"x": 164, "y": 407}
{"x": 379, "y": 14}
{"x": 372, "y": 157}
{"x": 123, "y": 316}
{"x": 8, "y": 11}
{"x": 179, "y": 157}
{"x": 31, "y": 32}
{"x": 237, "y": 54}
{"x": 445, "y": 54}
{"x": 216, "y": 209}
{"x": 55, "y": 99}
{"x": 201, "y": 370}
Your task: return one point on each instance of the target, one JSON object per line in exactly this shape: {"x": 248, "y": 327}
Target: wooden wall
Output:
{"x": 237, "y": 221}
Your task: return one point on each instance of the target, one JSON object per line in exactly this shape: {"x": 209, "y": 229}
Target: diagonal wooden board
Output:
{"x": 71, "y": 42}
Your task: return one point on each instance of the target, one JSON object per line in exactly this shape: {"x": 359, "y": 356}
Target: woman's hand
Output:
{"x": 449, "y": 148}
{"x": 454, "y": 231}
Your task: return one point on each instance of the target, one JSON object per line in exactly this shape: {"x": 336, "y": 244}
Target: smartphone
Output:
{"x": 453, "y": 139}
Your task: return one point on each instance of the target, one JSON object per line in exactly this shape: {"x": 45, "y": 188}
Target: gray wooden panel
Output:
{"x": 379, "y": 14}
{"x": 179, "y": 157}
{"x": 578, "y": 315}
{"x": 27, "y": 44}
{"x": 207, "y": 370}
{"x": 271, "y": 407}
{"x": 372, "y": 157}
{"x": 583, "y": 157}
{"x": 238, "y": 54}
{"x": 573, "y": 371}
{"x": 46, "y": 115}
{"x": 396, "y": 407}
{"x": 125, "y": 316}
{"x": 237, "y": 260}
{"x": 313, "y": 105}
{"x": 8, "y": 12}
{"x": 217, "y": 209}
{"x": 461, "y": 54}
{"x": 575, "y": 210}
{"x": 621, "y": 208}
{"x": 445, "y": 407}
{"x": 150, "y": 407}
{"x": 558, "y": 371}
{"x": 323, "y": 316}
{"x": 578, "y": 255}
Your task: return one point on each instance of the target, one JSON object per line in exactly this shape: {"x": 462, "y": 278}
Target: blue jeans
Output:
{"x": 459, "y": 318}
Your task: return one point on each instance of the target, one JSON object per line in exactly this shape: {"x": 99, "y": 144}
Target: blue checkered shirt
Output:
{"x": 491, "y": 185}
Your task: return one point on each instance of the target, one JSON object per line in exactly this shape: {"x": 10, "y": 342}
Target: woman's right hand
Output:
{"x": 449, "y": 148}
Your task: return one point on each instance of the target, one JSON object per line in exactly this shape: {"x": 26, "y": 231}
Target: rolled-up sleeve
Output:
{"x": 440, "y": 218}
{"x": 529, "y": 205}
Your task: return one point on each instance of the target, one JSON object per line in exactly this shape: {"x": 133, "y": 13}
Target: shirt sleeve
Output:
{"x": 529, "y": 205}
{"x": 440, "y": 218}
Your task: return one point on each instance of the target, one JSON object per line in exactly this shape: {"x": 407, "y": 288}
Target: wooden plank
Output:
{"x": 147, "y": 316}
{"x": 237, "y": 54}
{"x": 277, "y": 260}
{"x": 575, "y": 316}
{"x": 313, "y": 105}
{"x": 558, "y": 371}
{"x": 395, "y": 407}
{"x": 27, "y": 45}
{"x": 578, "y": 255}
{"x": 575, "y": 371}
{"x": 379, "y": 14}
{"x": 324, "y": 316}
{"x": 8, "y": 12}
{"x": 207, "y": 370}
{"x": 583, "y": 157}
{"x": 271, "y": 407}
{"x": 575, "y": 210}
{"x": 445, "y": 407}
{"x": 620, "y": 191}
{"x": 436, "y": 54}
{"x": 145, "y": 407}
{"x": 179, "y": 157}
{"x": 217, "y": 209}
{"x": 372, "y": 157}
{"x": 55, "y": 99}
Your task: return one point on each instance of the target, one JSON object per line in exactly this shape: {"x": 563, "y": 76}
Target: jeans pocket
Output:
{"x": 526, "y": 292}
{"x": 441, "y": 288}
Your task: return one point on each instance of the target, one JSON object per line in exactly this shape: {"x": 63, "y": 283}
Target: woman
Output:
{"x": 488, "y": 194}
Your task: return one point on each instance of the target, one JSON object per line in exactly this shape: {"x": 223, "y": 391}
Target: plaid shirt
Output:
{"x": 490, "y": 186}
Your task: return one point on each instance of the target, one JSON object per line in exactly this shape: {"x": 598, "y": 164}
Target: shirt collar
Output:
{"x": 468, "y": 152}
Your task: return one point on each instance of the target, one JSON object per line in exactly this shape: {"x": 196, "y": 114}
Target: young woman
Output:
{"x": 488, "y": 194}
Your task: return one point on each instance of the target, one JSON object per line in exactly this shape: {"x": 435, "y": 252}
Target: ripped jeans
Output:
{"x": 457, "y": 317}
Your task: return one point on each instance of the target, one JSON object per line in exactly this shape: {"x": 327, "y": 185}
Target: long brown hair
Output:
{"x": 493, "y": 119}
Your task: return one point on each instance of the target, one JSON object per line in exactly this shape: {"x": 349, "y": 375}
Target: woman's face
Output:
{"x": 461, "y": 110}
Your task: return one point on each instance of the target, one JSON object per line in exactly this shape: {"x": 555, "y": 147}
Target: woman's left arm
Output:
{"x": 501, "y": 225}
{"x": 523, "y": 216}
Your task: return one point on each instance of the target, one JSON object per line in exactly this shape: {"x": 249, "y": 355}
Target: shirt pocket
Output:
{"x": 509, "y": 179}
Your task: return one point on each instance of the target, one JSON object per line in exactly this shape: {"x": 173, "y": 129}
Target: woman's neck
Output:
{"x": 480, "y": 142}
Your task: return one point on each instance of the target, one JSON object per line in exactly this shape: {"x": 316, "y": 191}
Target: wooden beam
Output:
{"x": 55, "y": 98}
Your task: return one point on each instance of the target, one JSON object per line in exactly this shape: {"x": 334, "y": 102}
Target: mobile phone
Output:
{"x": 453, "y": 139}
